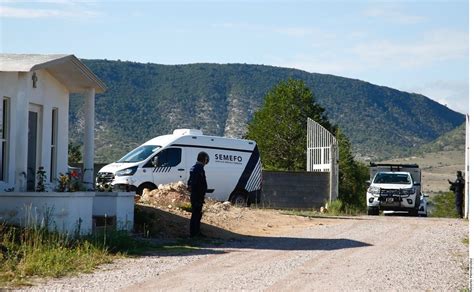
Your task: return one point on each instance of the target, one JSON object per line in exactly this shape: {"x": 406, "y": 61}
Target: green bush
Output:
{"x": 335, "y": 207}
{"x": 444, "y": 205}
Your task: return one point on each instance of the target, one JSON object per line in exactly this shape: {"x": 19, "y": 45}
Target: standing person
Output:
{"x": 458, "y": 188}
{"x": 197, "y": 184}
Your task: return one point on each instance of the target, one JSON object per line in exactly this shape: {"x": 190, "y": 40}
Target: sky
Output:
{"x": 415, "y": 46}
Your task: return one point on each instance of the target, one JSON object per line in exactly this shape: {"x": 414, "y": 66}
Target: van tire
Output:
{"x": 147, "y": 185}
{"x": 240, "y": 199}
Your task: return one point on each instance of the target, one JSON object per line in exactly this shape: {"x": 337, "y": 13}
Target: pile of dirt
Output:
{"x": 174, "y": 195}
{"x": 165, "y": 212}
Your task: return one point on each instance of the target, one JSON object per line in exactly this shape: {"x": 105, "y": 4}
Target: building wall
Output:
{"x": 9, "y": 88}
{"x": 71, "y": 213}
{"x": 295, "y": 190}
{"x": 48, "y": 94}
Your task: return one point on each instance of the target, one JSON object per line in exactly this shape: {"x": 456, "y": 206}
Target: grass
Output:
{"x": 338, "y": 208}
{"x": 26, "y": 253}
{"x": 35, "y": 252}
{"x": 443, "y": 205}
{"x": 335, "y": 208}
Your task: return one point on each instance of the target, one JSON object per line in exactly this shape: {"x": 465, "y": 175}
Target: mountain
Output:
{"x": 147, "y": 100}
{"x": 452, "y": 140}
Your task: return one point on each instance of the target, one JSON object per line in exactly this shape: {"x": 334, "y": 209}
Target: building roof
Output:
{"x": 67, "y": 69}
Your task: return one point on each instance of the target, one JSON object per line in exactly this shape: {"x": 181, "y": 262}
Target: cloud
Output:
{"x": 428, "y": 50}
{"x": 363, "y": 58}
{"x": 63, "y": 9}
{"x": 393, "y": 14}
{"x": 433, "y": 47}
{"x": 454, "y": 94}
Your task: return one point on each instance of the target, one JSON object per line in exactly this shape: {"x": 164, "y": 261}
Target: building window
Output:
{"x": 4, "y": 128}
{"x": 54, "y": 144}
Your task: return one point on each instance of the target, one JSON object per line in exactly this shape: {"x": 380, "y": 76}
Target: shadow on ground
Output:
{"x": 172, "y": 230}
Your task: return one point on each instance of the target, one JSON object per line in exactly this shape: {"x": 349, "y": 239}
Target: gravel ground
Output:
{"x": 386, "y": 253}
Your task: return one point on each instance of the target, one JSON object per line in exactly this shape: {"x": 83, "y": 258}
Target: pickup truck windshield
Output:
{"x": 392, "y": 178}
{"x": 139, "y": 154}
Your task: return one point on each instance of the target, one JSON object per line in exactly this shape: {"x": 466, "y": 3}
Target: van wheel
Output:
{"x": 240, "y": 200}
{"x": 143, "y": 186}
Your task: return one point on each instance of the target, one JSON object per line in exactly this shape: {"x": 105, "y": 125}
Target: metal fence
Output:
{"x": 323, "y": 154}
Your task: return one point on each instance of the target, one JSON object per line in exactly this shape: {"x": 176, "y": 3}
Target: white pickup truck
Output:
{"x": 395, "y": 187}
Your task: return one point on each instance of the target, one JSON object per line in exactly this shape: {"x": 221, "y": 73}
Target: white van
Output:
{"x": 234, "y": 171}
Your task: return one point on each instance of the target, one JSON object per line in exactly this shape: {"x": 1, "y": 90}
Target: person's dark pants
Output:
{"x": 459, "y": 205}
{"x": 195, "y": 224}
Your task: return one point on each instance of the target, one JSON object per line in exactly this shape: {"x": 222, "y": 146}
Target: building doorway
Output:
{"x": 34, "y": 141}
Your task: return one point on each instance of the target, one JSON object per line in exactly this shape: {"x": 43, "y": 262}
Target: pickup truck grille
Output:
{"x": 390, "y": 192}
{"x": 104, "y": 177}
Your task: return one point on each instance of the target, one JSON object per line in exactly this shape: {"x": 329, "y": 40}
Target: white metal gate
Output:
{"x": 322, "y": 154}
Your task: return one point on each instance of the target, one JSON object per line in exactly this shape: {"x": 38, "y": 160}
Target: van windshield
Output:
{"x": 392, "y": 178}
{"x": 139, "y": 154}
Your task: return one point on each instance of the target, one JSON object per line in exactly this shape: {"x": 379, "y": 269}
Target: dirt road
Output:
{"x": 340, "y": 254}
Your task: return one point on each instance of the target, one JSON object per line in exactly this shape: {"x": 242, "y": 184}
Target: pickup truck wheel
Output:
{"x": 413, "y": 212}
{"x": 373, "y": 211}
{"x": 239, "y": 200}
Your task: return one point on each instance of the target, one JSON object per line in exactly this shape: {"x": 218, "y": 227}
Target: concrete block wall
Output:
{"x": 295, "y": 190}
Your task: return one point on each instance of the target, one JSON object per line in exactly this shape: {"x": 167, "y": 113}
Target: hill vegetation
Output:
{"x": 452, "y": 140}
{"x": 439, "y": 160}
{"x": 147, "y": 100}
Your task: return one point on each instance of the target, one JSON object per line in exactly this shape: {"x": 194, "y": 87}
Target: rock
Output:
{"x": 226, "y": 205}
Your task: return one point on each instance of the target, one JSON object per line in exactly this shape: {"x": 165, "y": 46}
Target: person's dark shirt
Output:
{"x": 458, "y": 185}
{"x": 197, "y": 181}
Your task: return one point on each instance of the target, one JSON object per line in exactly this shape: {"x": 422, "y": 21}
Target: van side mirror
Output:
{"x": 367, "y": 182}
{"x": 416, "y": 184}
{"x": 154, "y": 161}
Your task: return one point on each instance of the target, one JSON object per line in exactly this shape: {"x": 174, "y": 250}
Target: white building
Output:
{"x": 34, "y": 110}
{"x": 34, "y": 117}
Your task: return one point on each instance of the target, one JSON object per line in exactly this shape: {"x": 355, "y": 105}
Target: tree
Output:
{"x": 352, "y": 176}
{"x": 279, "y": 127}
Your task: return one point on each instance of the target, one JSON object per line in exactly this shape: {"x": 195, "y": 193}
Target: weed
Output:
{"x": 186, "y": 207}
{"x": 303, "y": 213}
{"x": 335, "y": 207}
